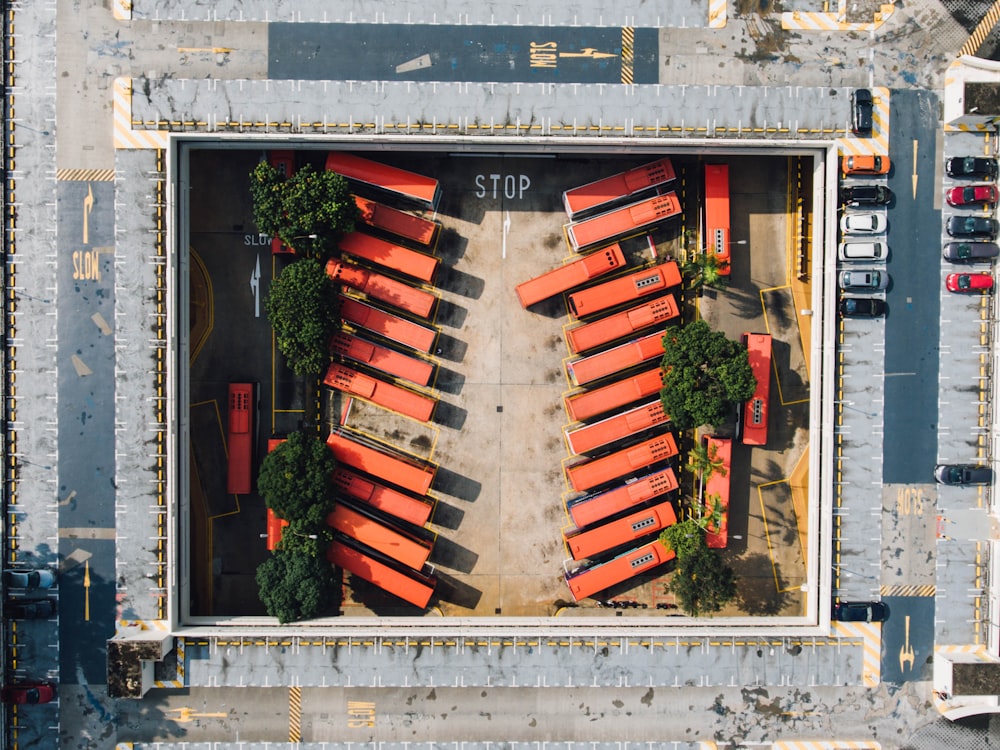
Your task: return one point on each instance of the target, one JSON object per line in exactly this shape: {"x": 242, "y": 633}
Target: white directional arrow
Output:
{"x": 506, "y": 230}
{"x": 255, "y": 287}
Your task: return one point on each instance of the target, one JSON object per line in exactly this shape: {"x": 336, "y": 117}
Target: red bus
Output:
{"x": 284, "y": 163}
{"x": 240, "y": 437}
{"x": 391, "y": 541}
{"x": 274, "y": 527}
{"x": 390, "y": 255}
{"x": 573, "y": 274}
{"x": 382, "y": 288}
{"x": 581, "y": 406}
{"x": 592, "y": 579}
{"x": 387, "y": 395}
{"x": 624, "y": 289}
{"x": 599, "y": 194}
{"x": 717, "y": 214}
{"x": 381, "y": 358}
{"x": 627, "y": 220}
{"x": 400, "y": 223}
{"x": 755, "y": 410}
{"x": 618, "y": 359}
{"x": 590, "y": 509}
{"x": 387, "y": 325}
{"x": 415, "y": 510}
{"x": 631, "y": 422}
{"x": 622, "y": 324}
{"x": 717, "y": 489}
{"x": 397, "y": 182}
{"x": 381, "y": 461}
{"x": 412, "y": 586}
{"x": 590, "y": 474}
{"x": 592, "y": 542}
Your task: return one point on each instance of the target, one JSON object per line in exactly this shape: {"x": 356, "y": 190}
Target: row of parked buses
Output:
{"x": 386, "y": 270}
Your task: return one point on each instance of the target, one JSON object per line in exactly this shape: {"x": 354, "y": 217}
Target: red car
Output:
{"x": 969, "y": 282}
{"x": 964, "y": 196}
{"x": 27, "y": 692}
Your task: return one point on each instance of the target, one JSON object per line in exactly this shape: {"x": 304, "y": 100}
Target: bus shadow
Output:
{"x": 448, "y": 482}
{"x": 454, "y": 556}
{"x": 449, "y": 381}
{"x": 449, "y": 415}
{"x": 451, "y": 315}
{"x": 451, "y": 247}
{"x": 447, "y": 516}
{"x": 450, "y": 348}
{"x": 456, "y": 592}
{"x": 553, "y": 307}
{"x": 461, "y": 283}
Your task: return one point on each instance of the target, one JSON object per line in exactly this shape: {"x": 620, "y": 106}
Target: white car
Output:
{"x": 862, "y": 223}
{"x": 870, "y": 251}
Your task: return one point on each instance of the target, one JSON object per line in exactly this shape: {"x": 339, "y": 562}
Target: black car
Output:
{"x": 971, "y": 166}
{"x": 860, "y": 611}
{"x": 866, "y": 195}
{"x": 30, "y": 609}
{"x": 861, "y": 307}
{"x": 969, "y": 252}
{"x": 963, "y": 474}
{"x": 972, "y": 226}
{"x": 861, "y": 112}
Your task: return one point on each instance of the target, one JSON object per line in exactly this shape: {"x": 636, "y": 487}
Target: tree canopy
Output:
{"x": 302, "y": 308}
{"x": 295, "y": 582}
{"x": 706, "y": 270}
{"x": 704, "y": 373}
{"x": 307, "y": 203}
{"x": 296, "y": 480}
{"x": 702, "y": 582}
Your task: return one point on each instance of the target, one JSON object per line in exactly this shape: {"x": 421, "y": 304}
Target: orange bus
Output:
{"x": 592, "y": 579}
{"x": 755, "y": 410}
{"x": 581, "y": 406}
{"x": 392, "y": 541}
{"x": 601, "y": 193}
{"x": 400, "y": 223}
{"x": 618, "y": 359}
{"x": 627, "y": 220}
{"x": 717, "y": 214}
{"x": 590, "y": 543}
{"x": 400, "y": 183}
{"x": 624, "y": 289}
{"x": 590, "y": 509}
{"x": 717, "y": 488}
{"x": 631, "y": 422}
{"x": 240, "y": 437}
{"x": 412, "y": 586}
{"x": 573, "y": 274}
{"x": 381, "y": 358}
{"x": 381, "y": 461}
{"x": 284, "y": 163}
{"x": 415, "y": 510}
{"x": 622, "y": 324}
{"x": 274, "y": 527}
{"x": 390, "y": 255}
{"x": 387, "y": 325}
{"x": 382, "y": 288}
{"x": 387, "y": 395}
{"x": 590, "y": 474}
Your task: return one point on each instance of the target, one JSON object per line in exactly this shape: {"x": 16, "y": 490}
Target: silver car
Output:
{"x": 863, "y": 280}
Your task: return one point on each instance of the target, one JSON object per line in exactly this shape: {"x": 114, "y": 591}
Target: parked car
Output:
{"x": 968, "y": 252}
{"x": 30, "y": 609}
{"x": 863, "y": 280}
{"x": 969, "y": 282}
{"x": 861, "y": 307}
{"x": 862, "y": 223}
{"x": 850, "y": 251}
{"x": 972, "y": 226}
{"x": 29, "y": 579}
{"x": 27, "y": 692}
{"x": 861, "y": 111}
{"x": 866, "y": 164}
{"x": 866, "y": 195}
{"x": 964, "y": 196}
{"x": 971, "y": 166}
{"x": 963, "y": 474}
{"x": 861, "y": 611}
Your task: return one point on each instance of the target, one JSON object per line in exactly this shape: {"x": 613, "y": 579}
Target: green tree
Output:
{"x": 303, "y": 310}
{"x": 705, "y": 269}
{"x": 296, "y": 481}
{"x": 704, "y": 461}
{"x": 702, "y": 582}
{"x": 704, "y": 373}
{"x": 309, "y": 210}
{"x": 296, "y": 582}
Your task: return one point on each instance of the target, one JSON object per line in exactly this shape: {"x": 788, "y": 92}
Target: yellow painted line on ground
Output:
{"x": 124, "y": 136}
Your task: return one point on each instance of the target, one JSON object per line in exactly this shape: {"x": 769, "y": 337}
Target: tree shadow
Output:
{"x": 757, "y": 591}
